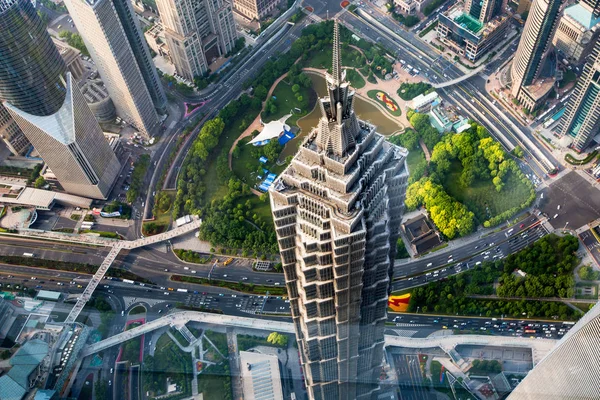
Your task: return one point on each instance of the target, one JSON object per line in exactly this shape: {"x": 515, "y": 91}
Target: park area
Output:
{"x": 385, "y": 101}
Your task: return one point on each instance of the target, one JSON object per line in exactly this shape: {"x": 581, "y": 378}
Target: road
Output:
{"x": 409, "y": 47}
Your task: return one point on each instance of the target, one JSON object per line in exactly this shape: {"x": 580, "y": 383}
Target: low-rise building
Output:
{"x": 533, "y": 96}
{"x": 260, "y": 376}
{"x": 421, "y": 234}
{"x": 24, "y": 371}
{"x": 97, "y": 98}
{"x": 577, "y": 31}
{"x": 40, "y": 199}
{"x": 72, "y": 58}
{"x": 410, "y": 7}
{"x": 424, "y": 102}
{"x": 469, "y": 37}
{"x": 155, "y": 36}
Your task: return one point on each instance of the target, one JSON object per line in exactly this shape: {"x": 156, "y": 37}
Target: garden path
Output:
{"x": 255, "y": 125}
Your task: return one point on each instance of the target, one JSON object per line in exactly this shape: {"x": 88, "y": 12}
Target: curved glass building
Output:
{"x": 31, "y": 68}
{"x": 44, "y": 100}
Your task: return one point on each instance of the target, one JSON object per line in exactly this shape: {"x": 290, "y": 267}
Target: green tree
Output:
{"x": 277, "y": 339}
{"x": 74, "y": 40}
{"x": 39, "y": 182}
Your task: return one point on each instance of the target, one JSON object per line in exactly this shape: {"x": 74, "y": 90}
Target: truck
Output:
{"x": 182, "y": 290}
{"x": 228, "y": 261}
{"x": 128, "y": 281}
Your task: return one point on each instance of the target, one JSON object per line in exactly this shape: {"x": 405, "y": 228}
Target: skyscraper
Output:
{"x": 196, "y": 32}
{"x": 529, "y": 58}
{"x": 45, "y": 102}
{"x": 581, "y": 119}
{"x": 112, "y": 35}
{"x": 11, "y": 134}
{"x": 483, "y": 10}
{"x": 570, "y": 370}
{"x": 337, "y": 211}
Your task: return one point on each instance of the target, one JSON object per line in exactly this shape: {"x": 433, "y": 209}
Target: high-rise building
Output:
{"x": 44, "y": 100}
{"x": 570, "y": 370}
{"x": 594, "y": 5}
{"x": 483, "y": 10}
{"x": 196, "y": 33}
{"x": 337, "y": 211}
{"x": 531, "y": 53}
{"x": 112, "y": 35}
{"x": 581, "y": 119}
{"x": 577, "y": 31}
{"x": 255, "y": 9}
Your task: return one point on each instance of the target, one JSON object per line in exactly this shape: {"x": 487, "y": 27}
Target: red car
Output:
{"x": 522, "y": 226}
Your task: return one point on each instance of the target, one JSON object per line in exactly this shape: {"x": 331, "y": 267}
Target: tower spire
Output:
{"x": 336, "y": 68}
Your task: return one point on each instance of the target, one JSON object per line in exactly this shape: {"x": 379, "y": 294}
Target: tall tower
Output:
{"x": 45, "y": 102}
{"x": 533, "y": 46}
{"x": 581, "y": 120}
{"x": 112, "y": 35}
{"x": 196, "y": 32}
{"x": 570, "y": 370}
{"x": 337, "y": 211}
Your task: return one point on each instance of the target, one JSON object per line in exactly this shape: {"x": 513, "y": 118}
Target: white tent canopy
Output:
{"x": 271, "y": 130}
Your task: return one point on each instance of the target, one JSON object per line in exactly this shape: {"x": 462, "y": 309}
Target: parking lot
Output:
{"x": 571, "y": 201}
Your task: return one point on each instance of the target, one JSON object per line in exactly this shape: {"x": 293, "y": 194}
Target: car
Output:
{"x": 159, "y": 311}
{"x": 111, "y": 370}
{"x": 60, "y": 283}
{"x": 195, "y": 292}
{"x": 225, "y": 275}
{"x": 109, "y": 383}
{"x": 444, "y": 327}
{"x": 162, "y": 288}
{"x": 277, "y": 283}
{"x": 413, "y": 321}
{"x": 166, "y": 293}
{"x": 244, "y": 278}
{"x": 168, "y": 305}
{"x": 33, "y": 278}
{"x": 166, "y": 269}
{"x": 522, "y": 226}
{"x": 106, "y": 287}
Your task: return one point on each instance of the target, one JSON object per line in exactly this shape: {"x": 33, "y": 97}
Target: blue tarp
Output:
{"x": 263, "y": 159}
{"x": 286, "y": 137}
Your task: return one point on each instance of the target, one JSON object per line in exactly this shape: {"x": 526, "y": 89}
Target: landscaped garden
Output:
{"x": 548, "y": 265}
{"x": 169, "y": 362}
{"x": 387, "y": 102}
{"x": 409, "y": 91}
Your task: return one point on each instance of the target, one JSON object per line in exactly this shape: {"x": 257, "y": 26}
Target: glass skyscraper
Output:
{"x": 45, "y": 101}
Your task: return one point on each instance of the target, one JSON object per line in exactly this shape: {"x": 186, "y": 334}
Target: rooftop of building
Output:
{"x": 417, "y": 227}
{"x": 467, "y": 21}
{"x": 10, "y": 390}
{"x": 260, "y": 376}
{"x": 540, "y": 88}
{"x": 40, "y": 198}
{"x": 94, "y": 91}
{"x": 48, "y": 294}
{"x": 583, "y": 15}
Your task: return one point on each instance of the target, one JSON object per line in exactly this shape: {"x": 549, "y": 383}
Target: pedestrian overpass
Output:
{"x": 116, "y": 247}
{"x": 460, "y": 79}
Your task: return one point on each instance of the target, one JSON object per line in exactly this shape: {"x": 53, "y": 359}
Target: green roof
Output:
{"x": 469, "y": 22}
{"x": 10, "y": 390}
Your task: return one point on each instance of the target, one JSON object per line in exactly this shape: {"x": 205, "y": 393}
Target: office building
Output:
{"x": 255, "y": 9}
{"x": 577, "y": 31}
{"x": 45, "y": 102}
{"x": 410, "y": 7}
{"x": 11, "y": 134}
{"x": 529, "y": 63}
{"x": 468, "y": 36}
{"x": 337, "y": 210}
{"x": 570, "y": 370}
{"x": 581, "y": 120}
{"x": 113, "y": 37}
{"x": 197, "y": 32}
{"x": 483, "y": 10}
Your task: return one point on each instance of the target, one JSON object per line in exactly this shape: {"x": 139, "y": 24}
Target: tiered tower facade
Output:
{"x": 337, "y": 210}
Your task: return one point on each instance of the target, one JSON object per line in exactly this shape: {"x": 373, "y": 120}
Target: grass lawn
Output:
{"x": 286, "y": 103}
{"x": 390, "y": 105}
{"x": 415, "y": 157}
{"x": 214, "y": 382}
{"x": 322, "y": 59}
{"x": 482, "y": 196}
{"x": 568, "y": 77}
{"x": 168, "y": 362}
{"x": 214, "y": 189}
{"x": 219, "y": 340}
{"x": 355, "y": 78}
{"x": 261, "y": 208}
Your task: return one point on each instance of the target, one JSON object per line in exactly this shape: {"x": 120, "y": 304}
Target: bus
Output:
{"x": 530, "y": 331}
{"x": 27, "y": 254}
{"x": 182, "y": 290}
{"x": 128, "y": 281}
{"x": 228, "y": 261}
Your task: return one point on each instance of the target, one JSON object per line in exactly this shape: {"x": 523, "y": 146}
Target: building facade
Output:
{"x": 196, "y": 33}
{"x": 468, "y": 36}
{"x": 255, "y": 9}
{"x": 112, "y": 35}
{"x": 577, "y": 31}
{"x": 59, "y": 124}
{"x": 570, "y": 370}
{"x": 11, "y": 134}
{"x": 72, "y": 58}
{"x": 337, "y": 210}
{"x": 581, "y": 119}
{"x": 532, "y": 50}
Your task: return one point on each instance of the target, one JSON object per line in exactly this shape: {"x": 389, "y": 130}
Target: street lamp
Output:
{"x": 565, "y": 228}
